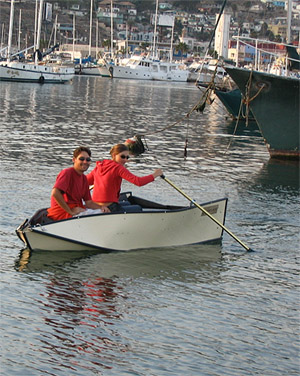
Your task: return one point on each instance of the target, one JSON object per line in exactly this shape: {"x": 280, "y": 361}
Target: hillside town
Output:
{"x": 128, "y": 26}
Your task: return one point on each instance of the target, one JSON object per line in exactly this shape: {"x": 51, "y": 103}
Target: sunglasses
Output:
{"x": 88, "y": 159}
{"x": 124, "y": 156}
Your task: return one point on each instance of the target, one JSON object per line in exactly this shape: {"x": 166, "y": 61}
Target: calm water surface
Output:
{"x": 200, "y": 310}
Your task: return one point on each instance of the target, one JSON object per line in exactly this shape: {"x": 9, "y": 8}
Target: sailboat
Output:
{"x": 107, "y": 62}
{"x": 37, "y": 71}
{"x": 89, "y": 67}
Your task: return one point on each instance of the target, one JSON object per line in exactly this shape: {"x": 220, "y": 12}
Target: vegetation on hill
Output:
{"x": 239, "y": 9}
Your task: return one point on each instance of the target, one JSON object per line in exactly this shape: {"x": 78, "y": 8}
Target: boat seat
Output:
{"x": 129, "y": 207}
{"x": 132, "y": 208}
{"x": 40, "y": 217}
{"x": 124, "y": 202}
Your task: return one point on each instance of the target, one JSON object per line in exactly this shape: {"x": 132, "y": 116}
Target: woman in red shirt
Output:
{"x": 108, "y": 174}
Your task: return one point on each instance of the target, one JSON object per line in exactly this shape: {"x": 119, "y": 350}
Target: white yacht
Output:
{"x": 143, "y": 68}
{"x": 137, "y": 68}
{"x": 166, "y": 71}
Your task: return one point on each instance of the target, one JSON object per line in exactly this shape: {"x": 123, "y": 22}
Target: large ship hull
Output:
{"x": 232, "y": 101}
{"x": 274, "y": 102}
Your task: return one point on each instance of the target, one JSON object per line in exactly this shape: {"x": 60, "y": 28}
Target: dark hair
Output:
{"x": 80, "y": 149}
{"x": 117, "y": 149}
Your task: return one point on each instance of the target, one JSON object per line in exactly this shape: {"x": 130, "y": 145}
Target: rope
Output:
{"x": 235, "y": 128}
{"x": 247, "y": 100}
{"x": 258, "y": 92}
{"x": 199, "y": 106}
{"x": 186, "y": 141}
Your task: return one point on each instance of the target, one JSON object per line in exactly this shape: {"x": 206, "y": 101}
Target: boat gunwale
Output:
{"x": 148, "y": 211}
{"x": 270, "y": 75}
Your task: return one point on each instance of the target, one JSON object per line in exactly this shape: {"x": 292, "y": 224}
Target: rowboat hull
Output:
{"x": 274, "y": 102}
{"x": 149, "y": 228}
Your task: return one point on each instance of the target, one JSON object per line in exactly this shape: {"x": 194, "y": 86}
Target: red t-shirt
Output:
{"x": 107, "y": 179}
{"x": 75, "y": 187}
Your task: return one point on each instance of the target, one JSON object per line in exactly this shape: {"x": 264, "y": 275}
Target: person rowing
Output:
{"x": 107, "y": 178}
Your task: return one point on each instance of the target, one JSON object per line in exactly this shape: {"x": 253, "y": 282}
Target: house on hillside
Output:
{"x": 121, "y": 12}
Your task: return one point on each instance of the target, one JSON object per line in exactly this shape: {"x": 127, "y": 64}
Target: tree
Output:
{"x": 248, "y": 4}
{"x": 106, "y": 43}
{"x": 234, "y": 9}
{"x": 270, "y": 35}
{"x": 178, "y": 27}
{"x": 213, "y": 53}
{"x": 278, "y": 38}
{"x": 263, "y": 30}
{"x": 182, "y": 47}
{"x": 143, "y": 46}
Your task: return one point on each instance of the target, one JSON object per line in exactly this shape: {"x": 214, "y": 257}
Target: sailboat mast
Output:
{"x": 97, "y": 38}
{"x": 172, "y": 36}
{"x": 91, "y": 26}
{"x": 73, "y": 57}
{"x": 35, "y": 24}
{"x": 155, "y": 28}
{"x": 289, "y": 21}
{"x": 11, "y": 21}
{"x": 111, "y": 30}
{"x": 2, "y": 37}
{"x": 55, "y": 30}
{"x": 19, "y": 31}
{"x": 38, "y": 37}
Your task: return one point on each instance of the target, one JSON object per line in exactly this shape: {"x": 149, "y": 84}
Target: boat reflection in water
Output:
{"x": 280, "y": 176}
{"x": 85, "y": 300}
{"x": 37, "y": 261}
{"x": 173, "y": 261}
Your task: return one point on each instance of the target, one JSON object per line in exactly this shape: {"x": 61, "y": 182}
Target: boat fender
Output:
{"x": 111, "y": 71}
{"x": 41, "y": 79}
{"x": 135, "y": 145}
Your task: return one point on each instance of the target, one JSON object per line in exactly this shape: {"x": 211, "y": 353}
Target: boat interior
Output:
{"x": 130, "y": 203}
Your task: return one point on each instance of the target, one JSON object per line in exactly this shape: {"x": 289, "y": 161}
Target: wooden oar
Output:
{"x": 207, "y": 213}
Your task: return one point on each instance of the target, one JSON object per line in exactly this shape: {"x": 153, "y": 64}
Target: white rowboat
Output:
{"x": 144, "y": 224}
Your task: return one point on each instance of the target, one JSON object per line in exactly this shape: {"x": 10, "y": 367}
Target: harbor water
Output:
{"x": 195, "y": 310}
